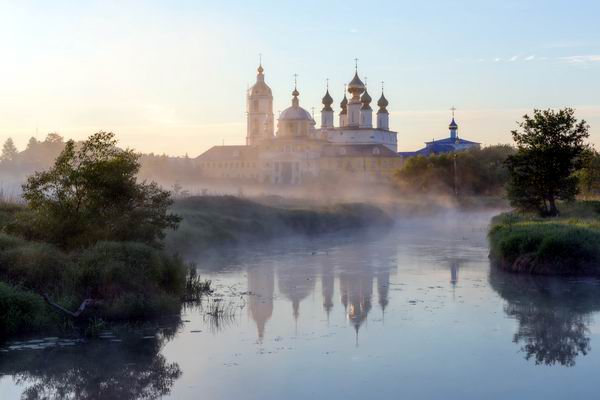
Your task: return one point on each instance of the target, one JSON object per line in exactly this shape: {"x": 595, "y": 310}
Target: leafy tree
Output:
{"x": 549, "y": 149}
{"x": 54, "y": 137}
{"x": 9, "y": 151}
{"x": 589, "y": 174}
{"x": 91, "y": 194}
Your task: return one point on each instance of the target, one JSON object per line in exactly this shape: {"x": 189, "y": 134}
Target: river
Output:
{"x": 415, "y": 312}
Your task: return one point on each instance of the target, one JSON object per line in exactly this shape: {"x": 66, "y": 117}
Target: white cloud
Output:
{"x": 530, "y": 58}
{"x": 582, "y": 60}
{"x": 497, "y": 59}
{"x": 513, "y": 59}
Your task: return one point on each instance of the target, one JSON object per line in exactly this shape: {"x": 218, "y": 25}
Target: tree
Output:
{"x": 92, "y": 194}
{"x": 9, "y": 151}
{"x": 549, "y": 149}
{"x": 33, "y": 142}
{"x": 54, "y": 137}
{"x": 589, "y": 174}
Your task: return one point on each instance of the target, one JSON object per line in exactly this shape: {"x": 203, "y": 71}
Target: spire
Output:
{"x": 295, "y": 93}
{"x": 260, "y": 67}
{"x": 453, "y": 126}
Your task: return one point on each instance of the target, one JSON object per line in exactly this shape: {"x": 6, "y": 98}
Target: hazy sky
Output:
{"x": 170, "y": 76}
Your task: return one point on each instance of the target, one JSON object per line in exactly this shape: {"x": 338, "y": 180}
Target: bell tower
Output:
{"x": 259, "y": 106}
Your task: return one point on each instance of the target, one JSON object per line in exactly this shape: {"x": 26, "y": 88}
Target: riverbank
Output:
{"x": 212, "y": 221}
{"x": 564, "y": 245}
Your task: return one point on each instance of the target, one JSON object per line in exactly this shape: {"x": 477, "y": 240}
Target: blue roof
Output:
{"x": 450, "y": 140}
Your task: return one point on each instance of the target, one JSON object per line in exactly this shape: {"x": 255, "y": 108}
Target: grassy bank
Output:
{"x": 564, "y": 245}
{"x": 227, "y": 220}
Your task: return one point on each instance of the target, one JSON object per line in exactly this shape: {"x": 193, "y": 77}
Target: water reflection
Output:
{"x": 553, "y": 314}
{"x": 261, "y": 286}
{"x": 356, "y": 274}
{"x": 99, "y": 369}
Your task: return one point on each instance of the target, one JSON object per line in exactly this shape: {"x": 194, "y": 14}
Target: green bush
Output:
{"x": 37, "y": 266}
{"x": 21, "y": 311}
{"x": 133, "y": 280}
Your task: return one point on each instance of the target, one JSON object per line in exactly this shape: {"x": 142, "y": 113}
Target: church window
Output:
{"x": 343, "y": 151}
{"x": 255, "y": 105}
{"x": 376, "y": 151}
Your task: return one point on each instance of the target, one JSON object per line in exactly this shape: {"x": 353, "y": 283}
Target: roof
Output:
{"x": 294, "y": 113}
{"x": 260, "y": 88}
{"x": 447, "y": 145}
{"x": 357, "y": 150}
{"x": 220, "y": 153}
{"x": 451, "y": 141}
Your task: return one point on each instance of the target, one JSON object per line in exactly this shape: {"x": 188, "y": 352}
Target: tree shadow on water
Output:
{"x": 553, "y": 314}
{"x": 99, "y": 369}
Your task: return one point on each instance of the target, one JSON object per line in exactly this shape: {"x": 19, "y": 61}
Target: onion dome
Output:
{"x": 295, "y": 112}
{"x": 366, "y": 100}
{"x": 356, "y": 86}
{"x": 344, "y": 105}
{"x": 382, "y": 103}
{"x": 453, "y": 125}
{"x": 327, "y": 102}
{"x": 260, "y": 88}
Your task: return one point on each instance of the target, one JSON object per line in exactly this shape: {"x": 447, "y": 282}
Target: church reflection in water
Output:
{"x": 356, "y": 281}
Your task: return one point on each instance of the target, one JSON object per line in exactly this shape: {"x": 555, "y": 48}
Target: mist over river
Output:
{"x": 414, "y": 312}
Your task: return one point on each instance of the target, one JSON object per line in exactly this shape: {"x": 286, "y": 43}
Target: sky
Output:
{"x": 171, "y": 76}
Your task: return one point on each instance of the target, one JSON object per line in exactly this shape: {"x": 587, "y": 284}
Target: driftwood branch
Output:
{"x": 75, "y": 314}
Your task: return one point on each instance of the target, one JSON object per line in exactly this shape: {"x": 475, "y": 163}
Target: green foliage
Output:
{"x": 569, "y": 245}
{"x": 470, "y": 172}
{"x": 21, "y": 311}
{"x": 133, "y": 280}
{"x": 589, "y": 174}
{"x": 195, "y": 287}
{"x": 549, "y": 149}
{"x": 8, "y": 212}
{"x": 36, "y": 266}
{"x": 92, "y": 194}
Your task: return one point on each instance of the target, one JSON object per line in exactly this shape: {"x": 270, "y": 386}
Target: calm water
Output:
{"x": 413, "y": 313}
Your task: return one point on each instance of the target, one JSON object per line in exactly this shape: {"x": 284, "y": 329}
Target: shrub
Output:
{"x": 36, "y": 266}
{"x": 21, "y": 311}
{"x": 133, "y": 280}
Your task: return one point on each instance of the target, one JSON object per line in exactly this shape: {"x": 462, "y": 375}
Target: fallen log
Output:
{"x": 75, "y": 314}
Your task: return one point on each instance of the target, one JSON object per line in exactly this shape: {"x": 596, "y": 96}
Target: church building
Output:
{"x": 450, "y": 144}
{"x": 299, "y": 152}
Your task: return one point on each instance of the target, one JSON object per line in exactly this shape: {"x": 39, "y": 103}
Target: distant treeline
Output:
{"x": 480, "y": 172}
{"x": 470, "y": 172}
{"x": 39, "y": 155}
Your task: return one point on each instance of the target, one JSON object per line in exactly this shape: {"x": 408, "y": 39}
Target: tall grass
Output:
{"x": 225, "y": 220}
{"x": 565, "y": 245}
